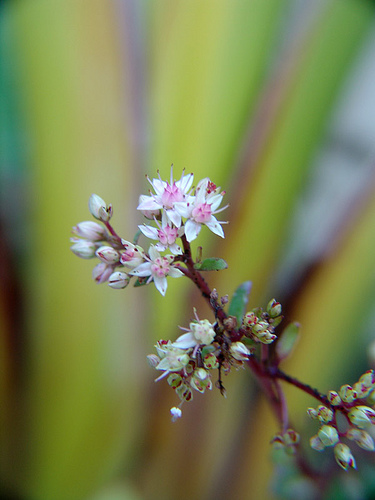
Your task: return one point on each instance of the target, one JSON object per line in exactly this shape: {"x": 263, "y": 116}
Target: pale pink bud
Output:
{"x": 362, "y": 438}
{"x": 90, "y": 230}
{"x": 362, "y": 416}
{"x": 239, "y": 351}
{"x": 328, "y": 435}
{"x": 84, "y": 249}
{"x": 101, "y": 272}
{"x": 344, "y": 456}
{"x": 108, "y": 255}
{"x": 118, "y": 280}
{"x": 274, "y": 308}
{"x": 334, "y": 398}
{"x": 316, "y": 443}
{"x": 347, "y": 393}
{"x": 99, "y": 209}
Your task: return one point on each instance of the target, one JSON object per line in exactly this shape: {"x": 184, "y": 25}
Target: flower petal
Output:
{"x": 191, "y": 230}
{"x": 161, "y": 284}
{"x": 185, "y": 341}
{"x": 215, "y": 227}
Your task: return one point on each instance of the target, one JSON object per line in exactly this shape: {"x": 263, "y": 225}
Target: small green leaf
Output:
{"x": 239, "y": 301}
{"x": 287, "y": 340}
{"x": 211, "y": 264}
{"x": 141, "y": 282}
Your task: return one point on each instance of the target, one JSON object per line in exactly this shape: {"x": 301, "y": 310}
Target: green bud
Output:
{"x": 328, "y": 435}
{"x": 274, "y": 308}
{"x": 344, "y": 456}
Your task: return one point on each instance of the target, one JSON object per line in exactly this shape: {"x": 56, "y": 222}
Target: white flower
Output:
{"x": 173, "y": 360}
{"x": 176, "y": 413}
{"x": 201, "y": 332}
{"x": 166, "y": 235}
{"x": 168, "y": 196}
{"x": 201, "y": 208}
{"x": 157, "y": 268}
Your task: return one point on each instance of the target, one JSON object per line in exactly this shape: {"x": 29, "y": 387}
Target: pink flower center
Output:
{"x": 202, "y": 213}
{"x": 167, "y": 235}
{"x": 160, "y": 267}
{"x": 171, "y": 195}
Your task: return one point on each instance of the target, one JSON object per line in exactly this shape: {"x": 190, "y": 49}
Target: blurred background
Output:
{"x": 274, "y": 101}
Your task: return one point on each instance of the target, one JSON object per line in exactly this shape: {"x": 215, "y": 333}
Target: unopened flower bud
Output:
{"x": 153, "y": 360}
{"x": 312, "y": 413}
{"x": 99, "y": 209}
{"x": 274, "y": 308}
{"x": 91, "y": 231}
{"x": 108, "y": 255}
{"x": 347, "y": 393}
{"x": 344, "y": 456}
{"x": 324, "y": 414}
{"x": 101, "y": 272}
{"x": 84, "y": 249}
{"x": 176, "y": 413}
{"x": 334, "y": 398}
{"x": 250, "y": 319}
{"x": 261, "y": 326}
{"x": 362, "y": 416}
{"x": 316, "y": 443}
{"x": 328, "y": 435}
{"x": 200, "y": 380}
{"x": 239, "y": 351}
{"x": 362, "y": 438}
{"x": 291, "y": 437}
{"x": 118, "y": 280}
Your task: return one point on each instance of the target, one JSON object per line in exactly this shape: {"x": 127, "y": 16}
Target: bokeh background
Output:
{"x": 273, "y": 100}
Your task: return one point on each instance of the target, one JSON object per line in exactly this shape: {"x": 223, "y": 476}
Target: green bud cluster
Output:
{"x": 348, "y": 401}
{"x": 260, "y": 325}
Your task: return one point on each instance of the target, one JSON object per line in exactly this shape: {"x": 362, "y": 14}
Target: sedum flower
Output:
{"x": 166, "y": 234}
{"x": 201, "y": 332}
{"x": 157, "y": 268}
{"x": 201, "y": 208}
{"x": 174, "y": 360}
{"x": 362, "y": 416}
{"x": 170, "y": 197}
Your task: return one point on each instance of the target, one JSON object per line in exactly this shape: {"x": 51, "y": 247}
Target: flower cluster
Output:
{"x": 352, "y": 403}
{"x": 176, "y": 211}
{"x": 188, "y": 362}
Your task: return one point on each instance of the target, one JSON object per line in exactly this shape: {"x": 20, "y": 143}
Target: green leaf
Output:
{"x": 287, "y": 340}
{"x": 141, "y": 282}
{"x": 239, "y": 301}
{"x": 211, "y": 264}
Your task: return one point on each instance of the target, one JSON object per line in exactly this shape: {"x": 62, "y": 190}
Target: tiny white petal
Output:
{"x": 161, "y": 284}
{"x": 192, "y": 230}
